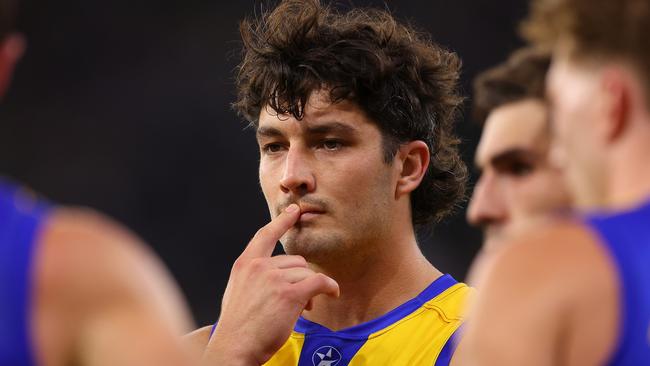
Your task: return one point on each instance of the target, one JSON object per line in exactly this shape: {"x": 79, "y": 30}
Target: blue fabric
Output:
{"x": 626, "y": 235}
{"x": 362, "y": 331}
{"x": 322, "y": 345}
{"x": 20, "y": 218}
{"x": 447, "y": 352}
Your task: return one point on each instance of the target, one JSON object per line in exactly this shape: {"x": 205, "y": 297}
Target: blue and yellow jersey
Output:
{"x": 419, "y": 332}
{"x": 21, "y": 216}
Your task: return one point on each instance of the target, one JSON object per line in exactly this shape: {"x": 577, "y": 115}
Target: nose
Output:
{"x": 298, "y": 176}
{"x": 487, "y": 205}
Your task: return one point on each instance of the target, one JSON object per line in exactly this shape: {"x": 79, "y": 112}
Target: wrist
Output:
{"x": 224, "y": 351}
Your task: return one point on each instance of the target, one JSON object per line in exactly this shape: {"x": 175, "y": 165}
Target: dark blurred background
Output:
{"x": 124, "y": 106}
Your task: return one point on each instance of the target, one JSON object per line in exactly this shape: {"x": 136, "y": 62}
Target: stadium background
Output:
{"x": 124, "y": 106}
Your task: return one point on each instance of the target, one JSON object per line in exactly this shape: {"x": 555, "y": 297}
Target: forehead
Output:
{"x": 570, "y": 75}
{"x": 520, "y": 125}
{"x": 319, "y": 111}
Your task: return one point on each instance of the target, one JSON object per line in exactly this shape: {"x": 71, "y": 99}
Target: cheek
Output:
{"x": 541, "y": 192}
{"x": 360, "y": 184}
{"x": 268, "y": 179}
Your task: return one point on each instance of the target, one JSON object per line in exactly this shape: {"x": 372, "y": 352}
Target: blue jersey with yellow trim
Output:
{"x": 419, "y": 332}
{"x": 21, "y": 216}
{"x": 626, "y": 236}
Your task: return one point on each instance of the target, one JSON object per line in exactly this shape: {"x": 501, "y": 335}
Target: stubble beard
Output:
{"x": 350, "y": 245}
{"x": 316, "y": 247}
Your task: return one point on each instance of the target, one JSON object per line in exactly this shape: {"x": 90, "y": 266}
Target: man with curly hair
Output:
{"x": 353, "y": 114}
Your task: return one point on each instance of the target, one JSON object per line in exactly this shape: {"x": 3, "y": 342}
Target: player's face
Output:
{"x": 331, "y": 164}
{"x": 577, "y": 108}
{"x": 516, "y": 182}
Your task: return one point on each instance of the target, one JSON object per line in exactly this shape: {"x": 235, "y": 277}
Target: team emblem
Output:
{"x": 326, "y": 356}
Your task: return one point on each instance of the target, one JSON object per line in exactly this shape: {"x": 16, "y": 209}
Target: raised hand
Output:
{"x": 264, "y": 298}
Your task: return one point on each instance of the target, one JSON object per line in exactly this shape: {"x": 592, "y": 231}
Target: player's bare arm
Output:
{"x": 528, "y": 313}
{"x": 264, "y": 297}
{"x": 102, "y": 298}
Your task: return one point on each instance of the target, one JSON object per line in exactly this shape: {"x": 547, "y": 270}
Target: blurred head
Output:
{"x": 517, "y": 182}
{"x": 12, "y": 44}
{"x": 308, "y": 69}
{"x": 597, "y": 86}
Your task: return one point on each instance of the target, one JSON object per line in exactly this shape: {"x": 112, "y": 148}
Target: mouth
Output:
{"x": 309, "y": 216}
{"x": 308, "y": 213}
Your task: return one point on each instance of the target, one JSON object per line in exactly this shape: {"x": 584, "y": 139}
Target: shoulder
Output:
{"x": 88, "y": 261}
{"x": 561, "y": 251}
{"x": 554, "y": 281}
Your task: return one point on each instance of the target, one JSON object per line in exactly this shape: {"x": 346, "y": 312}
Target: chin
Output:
{"x": 315, "y": 247}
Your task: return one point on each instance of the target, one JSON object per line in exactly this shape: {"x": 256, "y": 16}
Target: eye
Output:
{"x": 332, "y": 145}
{"x": 272, "y": 148}
{"x": 520, "y": 169}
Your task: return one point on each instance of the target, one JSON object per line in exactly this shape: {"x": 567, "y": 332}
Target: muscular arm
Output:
{"x": 102, "y": 298}
{"x": 549, "y": 299}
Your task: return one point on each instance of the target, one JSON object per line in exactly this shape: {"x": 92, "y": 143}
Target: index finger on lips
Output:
{"x": 264, "y": 241}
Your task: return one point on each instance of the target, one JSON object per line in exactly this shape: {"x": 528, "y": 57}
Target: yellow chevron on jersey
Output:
{"x": 419, "y": 332}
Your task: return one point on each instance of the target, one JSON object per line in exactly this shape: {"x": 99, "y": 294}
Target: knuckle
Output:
{"x": 301, "y": 260}
{"x": 283, "y": 291}
{"x": 238, "y": 265}
{"x": 257, "y": 264}
{"x": 274, "y": 275}
{"x": 320, "y": 279}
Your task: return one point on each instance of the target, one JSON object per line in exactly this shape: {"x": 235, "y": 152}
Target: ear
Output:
{"x": 412, "y": 163}
{"x": 617, "y": 103}
{"x": 11, "y": 50}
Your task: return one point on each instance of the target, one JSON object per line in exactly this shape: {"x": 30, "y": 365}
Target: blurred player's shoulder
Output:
{"x": 93, "y": 273}
{"x": 87, "y": 255}
{"x": 554, "y": 278}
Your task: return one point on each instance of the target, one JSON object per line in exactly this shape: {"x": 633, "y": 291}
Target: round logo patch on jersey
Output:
{"x": 326, "y": 356}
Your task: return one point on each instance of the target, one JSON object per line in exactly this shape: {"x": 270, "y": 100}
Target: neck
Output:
{"x": 628, "y": 175}
{"x": 373, "y": 284}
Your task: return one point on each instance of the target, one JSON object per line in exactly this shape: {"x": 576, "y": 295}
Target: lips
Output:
{"x": 308, "y": 213}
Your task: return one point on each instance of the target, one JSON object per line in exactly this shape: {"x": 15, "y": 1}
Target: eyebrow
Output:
{"x": 513, "y": 154}
{"x": 267, "y": 132}
{"x": 330, "y": 127}
{"x": 320, "y": 129}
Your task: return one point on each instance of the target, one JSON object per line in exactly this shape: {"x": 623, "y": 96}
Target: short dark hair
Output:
{"x": 404, "y": 82}
{"x": 595, "y": 28}
{"x": 7, "y": 17}
{"x": 521, "y": 77}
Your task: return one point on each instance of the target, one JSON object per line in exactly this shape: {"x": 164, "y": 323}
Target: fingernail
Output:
{"x": 291, "y": 208}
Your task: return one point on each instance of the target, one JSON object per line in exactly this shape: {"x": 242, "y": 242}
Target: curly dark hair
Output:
{"x": 522, "y": 76}
{"x": 404, "y": 82}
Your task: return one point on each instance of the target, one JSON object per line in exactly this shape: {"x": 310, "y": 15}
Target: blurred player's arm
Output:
{"x": 103, "y": 299}
{"x": 547, "y": 300}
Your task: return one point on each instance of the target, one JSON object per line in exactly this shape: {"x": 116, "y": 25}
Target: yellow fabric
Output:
{"x": 415, "y": 339}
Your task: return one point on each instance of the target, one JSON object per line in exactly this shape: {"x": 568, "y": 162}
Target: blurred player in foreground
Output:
{"x": 354, "y": 115}
{"x": 76, "y": 288}
{"x": 517, "y": 184}
{"x": 577, "y": 291}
